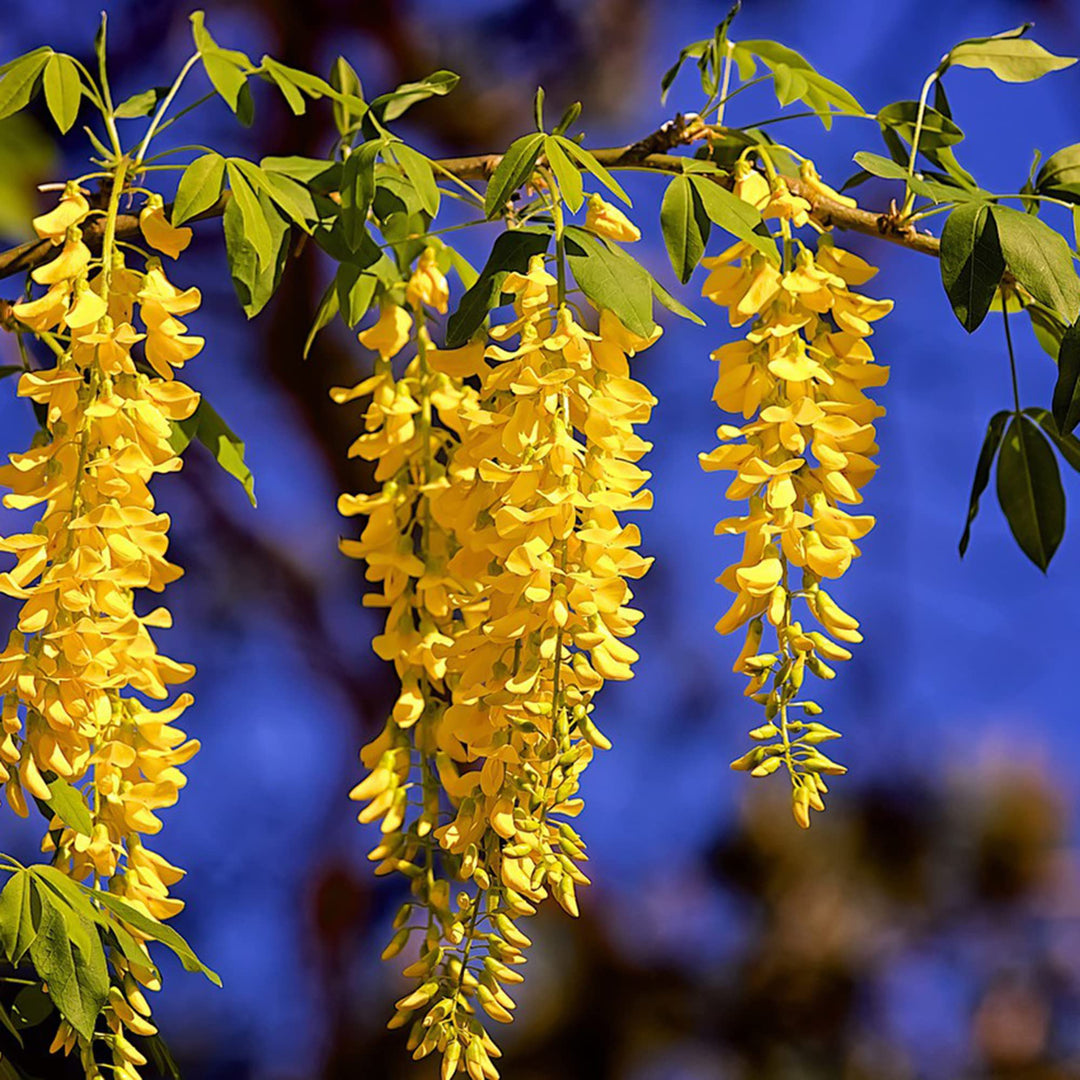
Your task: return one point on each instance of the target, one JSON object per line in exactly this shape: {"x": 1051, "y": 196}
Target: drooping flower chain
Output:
{"x": 80, "y": 650}
{"x": 801, "y": 374}
{"x": 527, "y": 506}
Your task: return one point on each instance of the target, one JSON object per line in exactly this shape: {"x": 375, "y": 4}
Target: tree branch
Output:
{"x": 645, "y": 155}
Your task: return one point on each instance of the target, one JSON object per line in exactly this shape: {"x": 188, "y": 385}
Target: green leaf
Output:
{"x": 941, "y": 99}
{"x": 357, "y": 191}
{"x": 1066, "y": 405}
{"x": 181, "y": 432}
{"x": 289, "y": 196}
{"x": 947, "y": 192}
{"x": 228, "y": 450}
{"x": 153, "y": 929}
{"x": 254, "y": 284}
{"x": 227, "y": 69}
{"x": 465, "y": 269}
{"x": 1068, "y": 445}
{"x": 127, "y": 944}
{"x": 1060, "y": 175}
{"x": 78, "y": 984}
{"x": 795, "y": 79}
{"x": 693, "y": 51}
{"x": 317, "y": 173}
{"x": 63, "y": 90}
{"x": 971, "y": 263}
{"x": 419, "y": 171}
{"x": 199, "y": 188}
{"x": 877, "y": 165}
{"x": 256, "y": 227}
{"x": 567, "y": 174}
{"x": 1012, "y": 60}
{"x": 994, "y": 431}
{"x": 328, "y": 308}
{"x": 512, "y": 171}
{"x": 1040, "y": 259}
{"x": 20, "y": 81}
{"x": 355, "y": 292}
{"x": 1029, "y": 491}
{"x": 161, "y": 1057}
{"x": 937, "y": 130}
{"x": 10, "y": 369}
{"x": 573, "y": 111}
{"x": 69, "y": 806}
{"x": 685, "y": 226}
{"x": 20, "y": 914}
{"x": 1047, "y": 328}
{"x": 227, "y": 78}
{"x": 510, "y": 253}
{"x": 538, "y": 108}
{"x": 142, "y": 104}
{"x": 62, "y": 889}
{"x": 43, "y": 51}
{"x": 675, "y": 306}
{"x": 289, "y": 90}
{"x": 611, "y": 279}
{"x": 588, "y": 161}
{"x": 312, "y": 85}
{"x": 344, "y": 79}
{"x": 735, "y": 216}
{"x": 393, "y": 105}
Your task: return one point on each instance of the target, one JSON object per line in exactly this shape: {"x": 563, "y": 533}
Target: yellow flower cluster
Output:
{"x": 80, "y": 652}
{"x": 504, "y": 564}
{"x": 800, "y": 378}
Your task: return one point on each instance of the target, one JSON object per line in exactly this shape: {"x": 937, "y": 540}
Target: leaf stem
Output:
{"x": 726, "y": 81}
{"x": 1012, "y": 356}
{"x": 162, "y": 108}
{"x": 734, "y": 94}
{"x": 919, "y": 117}
{"x": 186, "y": 109}
{"x": 802, "y": 115}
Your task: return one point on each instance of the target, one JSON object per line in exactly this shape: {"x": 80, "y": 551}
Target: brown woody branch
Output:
{"x": 641, "y": 155}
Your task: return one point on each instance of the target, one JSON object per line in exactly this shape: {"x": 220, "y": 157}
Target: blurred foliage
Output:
{"x": 27, "y": 157}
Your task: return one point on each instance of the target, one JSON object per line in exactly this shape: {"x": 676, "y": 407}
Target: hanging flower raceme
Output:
{"x": 80, "y": 654}
{"x": 411, "y": 427}
{"x": 800, "y": 379}
{"x": 509, "y": 609}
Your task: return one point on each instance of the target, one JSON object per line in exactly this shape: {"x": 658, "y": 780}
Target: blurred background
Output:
{"x": 929, "y": 923}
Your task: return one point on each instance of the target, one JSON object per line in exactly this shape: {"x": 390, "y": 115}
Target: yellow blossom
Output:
{"x": 81, "y": 672}
{"x": 496, "y": 544}
{"x": 390, "y": 333}
{"x": 606, "y": 220}
{"x": 160, "y": 233}
{"x": 799, "y": 379}
{"x": 427, "y": 286}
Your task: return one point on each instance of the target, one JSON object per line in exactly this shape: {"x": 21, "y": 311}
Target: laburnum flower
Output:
{"x": 411, "y": 425}
{"x": 81, "y": 665}
{"x": 160, "y": 233}
{"x": 800, "y": 378}
{"x": 390, "y": 332}
{"x": 70, "y": 211}
{"x": 427, "y": 286}
{"x": 505, "y": 569}
{"x": 606, "y": 220}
